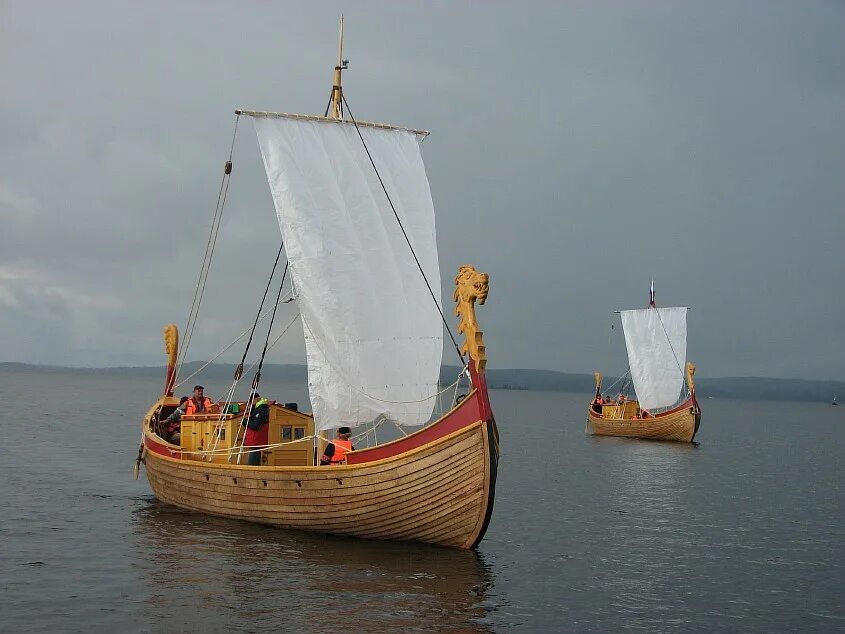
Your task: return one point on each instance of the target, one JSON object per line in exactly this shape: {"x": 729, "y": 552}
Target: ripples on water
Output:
{"x": 741, "y": 532}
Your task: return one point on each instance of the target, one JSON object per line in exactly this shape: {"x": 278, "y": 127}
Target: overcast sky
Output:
{"x": 578, "y": 149}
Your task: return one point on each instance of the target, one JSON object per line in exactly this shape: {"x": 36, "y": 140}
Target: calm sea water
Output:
{"x": 743, "y": 532}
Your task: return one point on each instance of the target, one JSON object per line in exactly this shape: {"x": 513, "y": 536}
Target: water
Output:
{"x": 742, "y": 532}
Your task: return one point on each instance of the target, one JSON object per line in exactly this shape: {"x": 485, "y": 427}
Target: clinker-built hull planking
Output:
{"x": 679, "y": 424}
{"x": 439, "y": 492}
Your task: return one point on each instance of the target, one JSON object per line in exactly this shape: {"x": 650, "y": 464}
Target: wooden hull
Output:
{"x": 679, "y": 424}
{"x": 435, "y": 486}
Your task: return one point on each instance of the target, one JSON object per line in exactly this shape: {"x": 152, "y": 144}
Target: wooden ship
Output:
{"x": 374, "y": 342}
{"x": 665, "y": 407}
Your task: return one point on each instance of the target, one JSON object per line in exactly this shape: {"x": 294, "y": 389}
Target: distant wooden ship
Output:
{"x": 655, "y": 339}
{"x": 374, "y": 344}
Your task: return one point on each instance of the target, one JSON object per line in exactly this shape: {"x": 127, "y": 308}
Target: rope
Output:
{"x": 257, "y": 378}
{"x": 240, "y": 367}
{"x": 267, "y": 340}
{"x": 404, "y": 233}
{"x": 342, "y": 375}
{"x": 210, "y": 245}
{"x": 219, "y": 354}
{"x": 612, "y": 385}
{"x": 275, "y": 341}
{"x": 220, "y": 452}
{"x": 671, "y": 347}
{"x": 422, "y": 400}
{"x": 260, "y": 307}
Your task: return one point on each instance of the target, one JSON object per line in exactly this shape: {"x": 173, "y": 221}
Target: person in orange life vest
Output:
{"x": 597, "y": 403}
{"x": 337, "y": 449}
{"x": 198, "y": 403}
{"x": 257, "y": 428}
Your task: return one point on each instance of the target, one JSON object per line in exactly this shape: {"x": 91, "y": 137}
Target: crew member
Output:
{"x": 172, "y": 425}
{"x": 337, "y": 449}
{"x": 198, "y": 403}
{"x": 257, "y": 428}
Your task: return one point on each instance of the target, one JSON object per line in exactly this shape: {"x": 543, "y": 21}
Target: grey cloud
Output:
{"x": 578, "y": 149}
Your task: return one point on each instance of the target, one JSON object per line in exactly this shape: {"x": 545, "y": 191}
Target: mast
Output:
{"x": 336, "y": 106}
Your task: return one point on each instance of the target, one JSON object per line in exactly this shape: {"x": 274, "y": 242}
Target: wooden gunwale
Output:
{"x": 305, "y": 472}
{"x": 316, "y": 477}
{"x": 689, "y": 402}
{"x": 152, "y": 439}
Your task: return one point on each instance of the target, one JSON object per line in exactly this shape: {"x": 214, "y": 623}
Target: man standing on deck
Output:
{"x": 198, "y": 403}
{"x": 257, "y": 428}
{"x": 337, "y": 449}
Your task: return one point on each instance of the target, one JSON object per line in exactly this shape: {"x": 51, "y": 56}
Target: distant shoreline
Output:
{"x": 752, "y": 388}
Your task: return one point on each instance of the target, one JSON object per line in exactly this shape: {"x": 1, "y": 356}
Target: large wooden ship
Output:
{"x": 665, "y": 406}
{"x": 374, "y": 343}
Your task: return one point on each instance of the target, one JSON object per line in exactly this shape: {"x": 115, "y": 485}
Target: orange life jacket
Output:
{"x": 341, "y": 448}
{"x": 191, "y": 406}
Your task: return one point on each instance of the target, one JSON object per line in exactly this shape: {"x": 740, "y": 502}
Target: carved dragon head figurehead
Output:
{"x": 471, "y": 285}
{"x": 690, "y": 375}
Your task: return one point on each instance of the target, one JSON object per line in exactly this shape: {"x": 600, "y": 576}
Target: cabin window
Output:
{"x": 221, "y": 434}
{"x": 286, "y": 433}
{"x": 299, "y": 432}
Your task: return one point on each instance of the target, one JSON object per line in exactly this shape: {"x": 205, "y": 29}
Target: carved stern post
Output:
{"x": 171, "y": 347}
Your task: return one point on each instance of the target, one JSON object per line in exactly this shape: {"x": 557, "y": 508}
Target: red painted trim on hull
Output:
{"x": 475, "y": 407}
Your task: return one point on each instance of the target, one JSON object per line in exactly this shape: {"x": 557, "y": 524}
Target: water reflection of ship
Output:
{"x": 209, "y": 573}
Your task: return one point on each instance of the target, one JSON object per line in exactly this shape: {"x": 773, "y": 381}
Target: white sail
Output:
{"x": 656, "y": 339}
{"x": 373, "y": 336}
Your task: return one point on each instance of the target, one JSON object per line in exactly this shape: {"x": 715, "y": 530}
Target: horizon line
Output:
{"x": 303, "y": 365}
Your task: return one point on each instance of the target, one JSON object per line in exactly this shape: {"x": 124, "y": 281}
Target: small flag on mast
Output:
{"x": 651, "y": 294}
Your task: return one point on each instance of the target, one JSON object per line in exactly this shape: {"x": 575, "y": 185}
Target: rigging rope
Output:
{"x": 239, "y": 370}
{"x": 199, "y": 291}
{"x": 404, "y": 233}
{"x": 257, "y": 378}
{"x": 352, "y": 385}
{"x": 220, "y": 354}
{"x": 671, "y": 347}
{"x": 267, "y": 339}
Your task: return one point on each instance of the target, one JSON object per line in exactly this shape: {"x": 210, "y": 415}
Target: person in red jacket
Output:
{"x": 257, "y": 428}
